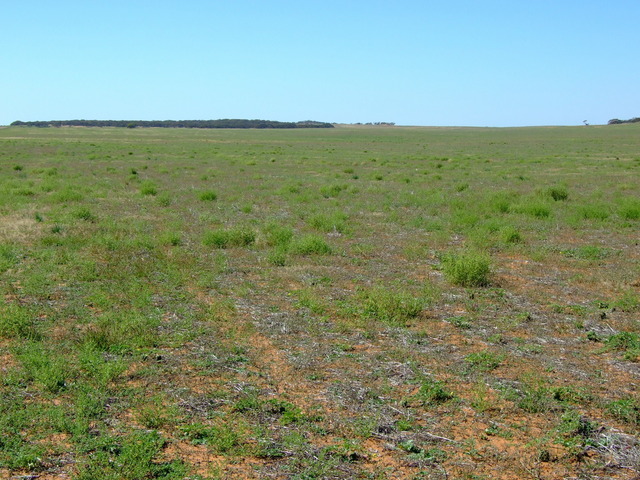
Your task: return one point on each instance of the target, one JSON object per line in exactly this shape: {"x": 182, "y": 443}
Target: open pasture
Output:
{"x": 356, "y": 302}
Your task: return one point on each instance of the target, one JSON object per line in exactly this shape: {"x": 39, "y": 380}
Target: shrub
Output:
{"x": 467, "y": 269}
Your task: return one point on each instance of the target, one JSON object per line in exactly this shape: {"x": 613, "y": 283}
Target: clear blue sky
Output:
{"x": 459, "y": 62}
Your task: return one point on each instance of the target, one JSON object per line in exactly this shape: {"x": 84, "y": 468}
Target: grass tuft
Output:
{"x": 236, "y": 237}
{"x": 558, "y": 193}
{"x": 389, "y": 306}
{"x": 310, "y": 245}
{"x": 208, "y": 196}
{"x": 467, "y": 269}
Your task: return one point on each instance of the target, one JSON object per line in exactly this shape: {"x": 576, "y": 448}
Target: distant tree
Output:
{"x": 617, "y": 121}
{"x": 223, "y": 123}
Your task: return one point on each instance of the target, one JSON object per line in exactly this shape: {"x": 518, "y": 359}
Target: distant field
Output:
{"x": 356, "y": 302}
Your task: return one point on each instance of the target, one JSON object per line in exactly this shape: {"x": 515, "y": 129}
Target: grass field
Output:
{"x": 357, "y": 302}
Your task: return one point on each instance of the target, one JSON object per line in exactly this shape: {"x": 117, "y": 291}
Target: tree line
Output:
{"x": 223, "y": 123}
{"x": 617, "y": 121}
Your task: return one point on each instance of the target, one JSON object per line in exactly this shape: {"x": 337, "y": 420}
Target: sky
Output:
{"x": 436, "y": 63}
